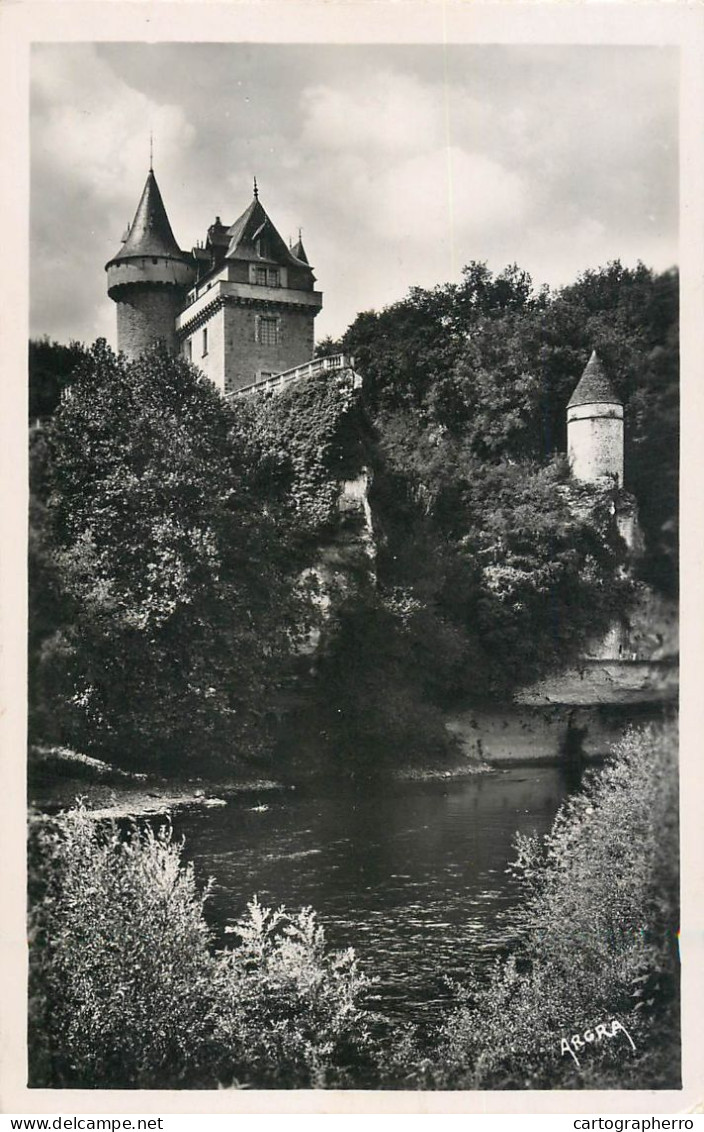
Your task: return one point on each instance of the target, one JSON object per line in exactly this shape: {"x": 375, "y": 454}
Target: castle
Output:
{"x": 242, "y": 307}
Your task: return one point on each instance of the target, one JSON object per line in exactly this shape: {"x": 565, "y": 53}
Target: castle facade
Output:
{"x": 242, "y": 306}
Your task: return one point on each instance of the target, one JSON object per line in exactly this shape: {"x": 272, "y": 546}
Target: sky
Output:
{"x": 400, "y": 163}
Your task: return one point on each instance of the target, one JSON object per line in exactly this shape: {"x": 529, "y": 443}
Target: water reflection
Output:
{"x": 413, "y": 878}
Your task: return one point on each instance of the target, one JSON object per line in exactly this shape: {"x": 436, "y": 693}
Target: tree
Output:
{"x": 597, "y": 942}
{"x": 407, "y": 348}
{"x": 493, "y": 363}
{"x": 51, "y": 366}
{"x": 519, "y": 566}
{"x": 180, "y": 604}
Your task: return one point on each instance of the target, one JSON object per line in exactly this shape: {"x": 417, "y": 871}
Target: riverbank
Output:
{"x": 58, "y": 776}
{"x": 485, "y": 741}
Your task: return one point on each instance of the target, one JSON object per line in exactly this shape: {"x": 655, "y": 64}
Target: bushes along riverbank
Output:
{"x": 126, "y": 990}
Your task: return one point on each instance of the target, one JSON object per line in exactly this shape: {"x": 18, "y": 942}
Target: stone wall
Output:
{"x": 245, "y": 359}
{"x": 211, "y": 363}
{"x": 145, "y": 315}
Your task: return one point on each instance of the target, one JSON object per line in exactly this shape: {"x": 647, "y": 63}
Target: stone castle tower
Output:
{"x": 241, "y": 307}
{"x": 595, "y": 427}
{"x": 149, "y": 277}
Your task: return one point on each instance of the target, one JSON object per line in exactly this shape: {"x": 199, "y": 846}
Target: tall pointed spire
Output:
{"x": 299, "y": 251}
{"x": 256, "y": 189}
{"x": 150, "y": 232}
{"x": 151, "y": 151}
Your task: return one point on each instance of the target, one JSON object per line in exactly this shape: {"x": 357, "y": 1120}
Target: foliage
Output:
{"x": 289, "y": 1007}
{"x": 173, "y": 600}
{"x": 599, "y": 942}
{"x": 119, "y": 959}
{"x": 305, "y": 442}
{"x": 494, "y": 363}
{"x": 51, "y": 366}
{"x": 513, "y": 567}
{"x": 126, "y": 991}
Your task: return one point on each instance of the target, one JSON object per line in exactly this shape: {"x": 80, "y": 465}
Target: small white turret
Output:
{"x": 595, "y": 427}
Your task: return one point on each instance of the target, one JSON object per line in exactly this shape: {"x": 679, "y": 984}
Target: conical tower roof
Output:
{"x": 299, "y": 251}
{"x": 593, "y": 386}
{"x": 150, "y": 232}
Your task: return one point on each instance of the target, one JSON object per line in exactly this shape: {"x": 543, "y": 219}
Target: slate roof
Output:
{"x": 299, "y": 251}
{"x": 593, "y": 386}
{"x": 218, "y": 234}
{"x": 249, "y": 227}
{"x": 150, "y": 232}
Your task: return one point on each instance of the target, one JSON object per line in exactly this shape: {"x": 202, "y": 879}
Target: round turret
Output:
{"x": 149, "y": 277}
{"x": 595, "y": 427}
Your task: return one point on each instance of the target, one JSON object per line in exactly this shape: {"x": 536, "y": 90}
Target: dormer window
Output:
{"x": 267, "y": 277}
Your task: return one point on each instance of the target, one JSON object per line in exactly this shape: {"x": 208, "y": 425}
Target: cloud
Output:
{"x": 389, "y": 145}
{"x": 93, "y": 129}
{"x": 393, "y": 114}
{"x": 401, "y": 163}
{"x": 90, "y": 139}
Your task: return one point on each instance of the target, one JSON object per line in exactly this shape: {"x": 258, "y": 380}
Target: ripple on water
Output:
{"x": 414, "y": 880}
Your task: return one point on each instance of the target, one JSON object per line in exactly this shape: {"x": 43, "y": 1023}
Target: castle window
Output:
{"x": 268, "y": 331}
{"x": 189, "y": 349}
{"x": 267, "y": 277}
{"x": 205, "y": 340}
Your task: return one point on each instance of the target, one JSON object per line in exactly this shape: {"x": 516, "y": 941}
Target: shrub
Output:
{"x": 288, "y": 1007}
{"x": 127, "y": 992}
{"x": 599, "y": 942}
{"x": 164, "y": 604}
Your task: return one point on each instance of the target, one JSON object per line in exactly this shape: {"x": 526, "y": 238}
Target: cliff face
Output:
{"x": 637, "y": 661}
{"x": 512, "y": 733}
{"x": 351, "y": 546}
{"x": 630, "y": 675}
{"x": 346, "y": 554}
{"x": 362, "y": 658}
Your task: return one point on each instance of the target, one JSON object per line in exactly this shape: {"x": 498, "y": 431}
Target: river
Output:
{"x": 412, "y": 876}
